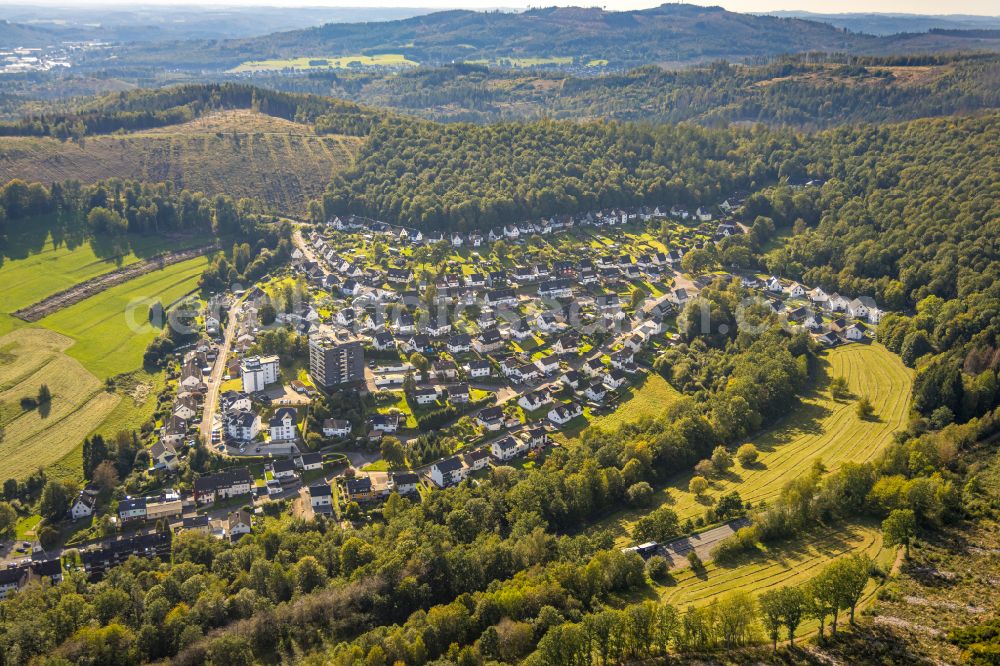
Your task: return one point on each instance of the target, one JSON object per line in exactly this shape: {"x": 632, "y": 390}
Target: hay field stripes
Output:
{"x": 788, "y": 564}
{"x": 40, "y": 437}
{"x": 818, "y": 428}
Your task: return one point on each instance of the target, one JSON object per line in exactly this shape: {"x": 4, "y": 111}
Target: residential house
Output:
{"x": 458, "y": 394}
{"x": 564, "y": 413}
{"x": 405, "y": 483}
{"x": 242, "y": 426}
{"x": 507, "y": 448}
{"x": 321, "y": 497}
{"x": 595, "y": 390}
{"x": 448, "y": 472}
{"x": 223, "y": 485}
{"x": 479, "y": 368}
{"x": 132, "y": 509}
{"x": 459, "y": 343}
{"x": 309, "y": 462}
{"x": 476, "y": 459}
{"x": 425, "y": 395}
{"x": 240, "y": 522}
{"x": 384, "y": 423}
{"x": 490, "y": 418}
{"x": 283, "y": 428}
{"x": 284, "y": 469}
{"x": 336, "y": 428}
{"x": 83, "y": 506}
{"x": 534, "y": 400}
{"x": 489, "y": 340}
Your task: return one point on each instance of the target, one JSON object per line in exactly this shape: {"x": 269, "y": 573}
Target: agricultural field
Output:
{"x": 45, "y": 255}
{"x": 819, "y": 428}
{"x": 111, "y": 328}
{"x": 325, "y": 62}
{"x": 790, "y": 563}
{"x": 240, "y": 153}
{"x": 43, "y": 435}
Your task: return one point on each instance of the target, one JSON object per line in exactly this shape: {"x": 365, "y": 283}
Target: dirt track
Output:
{"x": 78, "y": 292}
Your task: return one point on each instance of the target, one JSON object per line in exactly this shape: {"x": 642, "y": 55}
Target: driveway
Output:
{"x": 677, "y": 550}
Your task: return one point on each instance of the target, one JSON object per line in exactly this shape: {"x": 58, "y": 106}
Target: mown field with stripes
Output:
{"x": 817, "y": 428}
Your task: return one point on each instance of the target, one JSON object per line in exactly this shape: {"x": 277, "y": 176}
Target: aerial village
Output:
{"x": 385, "y": 360}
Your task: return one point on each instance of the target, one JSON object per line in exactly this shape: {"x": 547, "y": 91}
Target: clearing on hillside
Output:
{"x": 818, "y": 428}
{"x": 240, "y": 153}
{"x": 790, "y": 563}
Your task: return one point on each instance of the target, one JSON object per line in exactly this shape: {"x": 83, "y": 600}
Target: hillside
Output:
{"x": 788, "y": 92}
{"x": 673, "y": 33}
{"x": 241, "y": 153}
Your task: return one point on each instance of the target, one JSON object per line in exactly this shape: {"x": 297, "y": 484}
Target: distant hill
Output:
{"x": 672, "y": 33}
{"x": 158, "y": 23}
{"x": 891, "y": 24}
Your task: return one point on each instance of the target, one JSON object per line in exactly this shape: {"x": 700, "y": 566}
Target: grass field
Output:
{"x": 647, "y": 399}
{"x": 111, "y": 329}
{"x": 35, "y": 264}
{"x": 818, "y": 428}
{"x": 791, "y": 563}
{"x": 41, "y": 437}
{"x": 93, "y": 341}
{"x": 240, "y": 153}
{"x": 325, "y": 62}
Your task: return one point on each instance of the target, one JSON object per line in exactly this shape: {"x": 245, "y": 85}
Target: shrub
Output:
{"x": 747, "y": 455}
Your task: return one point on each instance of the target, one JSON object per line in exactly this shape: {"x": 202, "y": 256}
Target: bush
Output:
{"x": 747, "y": 455}
{"x": 640, "y": 494}
{"x": 657, "y": 567}
{"x": 698, "y": 485}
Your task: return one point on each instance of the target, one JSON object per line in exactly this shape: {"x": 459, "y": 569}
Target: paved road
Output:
{"x": 677, "y": 550}
{"x": 215, "y": 379}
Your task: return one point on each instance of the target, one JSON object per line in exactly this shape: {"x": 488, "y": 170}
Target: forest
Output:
{"x": 808, "y": 93}
{"x": 464, "y": 176}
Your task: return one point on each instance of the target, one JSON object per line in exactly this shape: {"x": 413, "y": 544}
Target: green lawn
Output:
{"x": 33, "y": 265}
{"x": 648, "y": 398}
{"x": 111, "y": 329}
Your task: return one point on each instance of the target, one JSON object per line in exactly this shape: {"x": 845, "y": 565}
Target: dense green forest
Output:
{"x": 472, "y": 176}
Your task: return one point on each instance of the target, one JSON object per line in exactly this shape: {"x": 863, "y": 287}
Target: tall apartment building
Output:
{"x": 258, "y": 371}
{"x": 336, "y": 358}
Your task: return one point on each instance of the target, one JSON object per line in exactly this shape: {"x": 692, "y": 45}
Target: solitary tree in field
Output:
{"x": 839, "y": 388}
{"x": 721, "y": 460}
{"x": 865, "y": 408}
{"x": 747, "y": 455}
{"x": 44, "y": 394}
{"x": 898, "y": 529}
{"x": 698, "y": 485}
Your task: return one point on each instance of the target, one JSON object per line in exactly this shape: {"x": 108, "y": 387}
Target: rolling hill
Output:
{"x": 237, "y": 152}
{"x": 674, "y": 33}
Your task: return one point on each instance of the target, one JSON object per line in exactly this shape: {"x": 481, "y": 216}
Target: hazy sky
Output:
{"x": 985, "y": 7}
